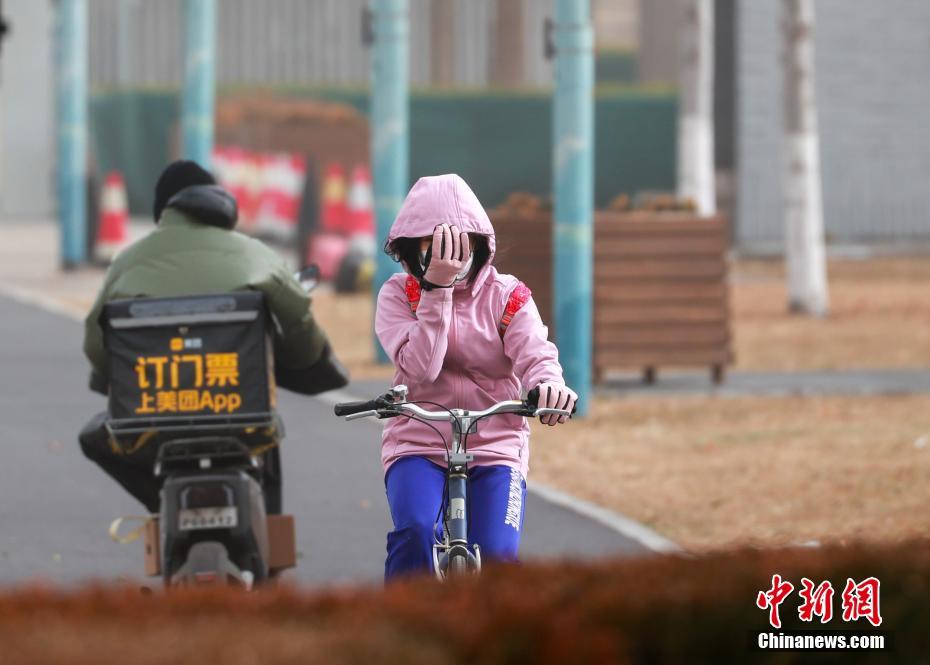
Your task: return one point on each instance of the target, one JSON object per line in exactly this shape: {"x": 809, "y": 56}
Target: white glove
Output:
{"x": 555, "y": 396}
{"x": 451, "y": 251}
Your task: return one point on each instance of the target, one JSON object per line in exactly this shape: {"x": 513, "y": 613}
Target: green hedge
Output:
{"x": 499, "y": 142}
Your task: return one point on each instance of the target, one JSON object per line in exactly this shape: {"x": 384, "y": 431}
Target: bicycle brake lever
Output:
{"x": 361, "y": 414}
{"x": 553, "y": 412}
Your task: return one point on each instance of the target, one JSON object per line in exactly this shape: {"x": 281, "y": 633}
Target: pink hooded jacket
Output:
{"x": 450, "y": 351}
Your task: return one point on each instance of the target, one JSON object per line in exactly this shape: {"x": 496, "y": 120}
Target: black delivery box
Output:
{"x": 193, "y": 360}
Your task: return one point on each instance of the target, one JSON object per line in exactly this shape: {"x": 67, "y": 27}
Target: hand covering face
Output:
{"x": 451, "y": 252}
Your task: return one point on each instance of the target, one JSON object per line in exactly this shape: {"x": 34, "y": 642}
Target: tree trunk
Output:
{"x": 804, "y": 234}
{"x": 696, "y": 106}
{"x": 442, "y": 20}
{"x": 505, "y": 66}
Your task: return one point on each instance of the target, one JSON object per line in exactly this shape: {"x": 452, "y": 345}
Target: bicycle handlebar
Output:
{"x": 350, "y": 408}
{"x": 532, "y": 399}
{"x": 385, "y": 407}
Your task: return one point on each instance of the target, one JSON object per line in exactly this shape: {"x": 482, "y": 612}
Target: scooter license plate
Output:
{"x": 191, "y": 519}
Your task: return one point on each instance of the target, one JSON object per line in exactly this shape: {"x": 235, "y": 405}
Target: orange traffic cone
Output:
{"x": 333, "y": 213}
{"x": 361, "y": 218}
{"x": 114, "y": 216}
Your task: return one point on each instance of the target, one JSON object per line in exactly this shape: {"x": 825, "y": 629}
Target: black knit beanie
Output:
{"x": 177, "y": 176}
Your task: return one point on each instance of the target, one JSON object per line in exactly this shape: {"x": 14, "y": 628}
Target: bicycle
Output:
{"x": 453, "y": 555}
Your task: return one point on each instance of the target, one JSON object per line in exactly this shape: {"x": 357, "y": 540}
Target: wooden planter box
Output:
{"x": 660, "y": 286}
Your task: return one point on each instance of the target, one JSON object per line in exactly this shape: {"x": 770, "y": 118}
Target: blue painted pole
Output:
{"x": 197, "y": 104}
{"x": 573, "y": 181}
{"x": 72, "y": 130}
{"x": 390, "y": 60}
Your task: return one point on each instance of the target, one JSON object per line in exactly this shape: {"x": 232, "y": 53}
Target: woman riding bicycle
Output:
{"x": 462, "y": 335}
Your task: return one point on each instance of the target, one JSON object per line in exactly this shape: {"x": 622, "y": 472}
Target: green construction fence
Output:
{"x": 500, "y": 142}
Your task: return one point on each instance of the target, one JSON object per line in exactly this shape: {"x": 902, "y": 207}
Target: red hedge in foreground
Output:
{"x": 656, "y": 610}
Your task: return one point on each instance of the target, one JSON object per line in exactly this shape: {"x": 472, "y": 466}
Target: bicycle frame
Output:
{"x": 453, "y": 555}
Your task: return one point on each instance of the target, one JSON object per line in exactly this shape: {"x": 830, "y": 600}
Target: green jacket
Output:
{"x": 184, "y": 257}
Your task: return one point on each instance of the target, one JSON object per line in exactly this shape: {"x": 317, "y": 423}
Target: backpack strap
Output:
{"x": 412, "y": 288}
{"x": 518, "y": 298}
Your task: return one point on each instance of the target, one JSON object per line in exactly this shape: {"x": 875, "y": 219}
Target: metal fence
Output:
{"x": 300, "y": 42}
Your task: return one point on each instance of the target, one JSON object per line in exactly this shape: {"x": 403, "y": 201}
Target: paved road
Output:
{"x": 738, "y": 384}
{"x": 55, "y": 506}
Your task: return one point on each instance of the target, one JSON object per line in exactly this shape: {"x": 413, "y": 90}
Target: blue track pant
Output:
{"x": 496, "y": 499}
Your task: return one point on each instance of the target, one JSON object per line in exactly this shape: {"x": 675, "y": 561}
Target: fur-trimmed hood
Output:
{"x": 207, "y": 204}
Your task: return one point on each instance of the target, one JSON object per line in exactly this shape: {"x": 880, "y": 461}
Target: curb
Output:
{"x": 623, "y": 525}
{"x": 37, "y": 299}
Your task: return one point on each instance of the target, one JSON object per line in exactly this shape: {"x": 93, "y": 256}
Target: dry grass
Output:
{"x": 713, "y": 473}
{"x": 349, "y": 322}
{"x": 879, "y": 317}
{"x": 719, "y": 472}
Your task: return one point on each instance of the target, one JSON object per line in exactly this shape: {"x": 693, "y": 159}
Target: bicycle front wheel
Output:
{"x": 458, "y": 565}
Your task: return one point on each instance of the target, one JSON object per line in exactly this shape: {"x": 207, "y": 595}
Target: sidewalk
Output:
{"x": 773, "y": 384}
{"x": 29, "y": 267}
